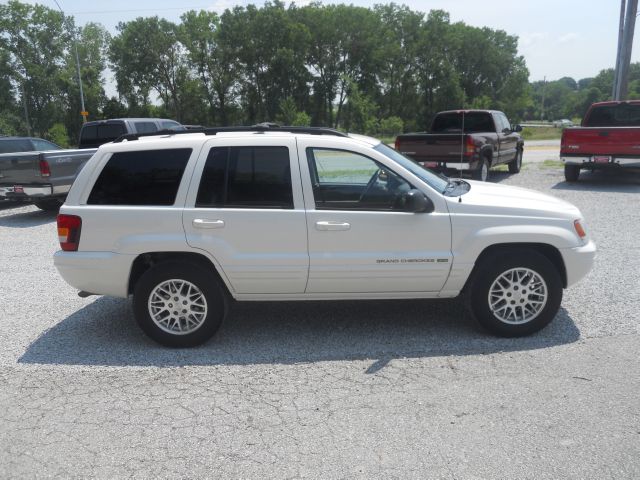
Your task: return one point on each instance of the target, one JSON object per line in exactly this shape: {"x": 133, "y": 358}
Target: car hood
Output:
{"x": 492, "y": 198}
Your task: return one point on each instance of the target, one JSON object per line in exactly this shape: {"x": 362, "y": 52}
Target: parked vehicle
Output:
{"x": 37, "y": 170}
{"x": 96, "y": 133}
{"x": 609, "y": 137}
{"x": 565, "y": 122}
{"x": 188, "y": 221}
{"x": 466, "y": 141}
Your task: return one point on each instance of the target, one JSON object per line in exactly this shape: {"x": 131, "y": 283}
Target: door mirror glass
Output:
{"x": 417, "y": 202}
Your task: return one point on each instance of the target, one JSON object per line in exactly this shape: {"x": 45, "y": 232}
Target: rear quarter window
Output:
{"x": 148, "y": 177}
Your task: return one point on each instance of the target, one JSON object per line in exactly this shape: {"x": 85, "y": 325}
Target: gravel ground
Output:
{"x": 409, "y": 389}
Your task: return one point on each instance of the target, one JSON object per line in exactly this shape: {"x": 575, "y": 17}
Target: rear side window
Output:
{"x": 145, "y": 127}
{"x": 149, "y": 177}
{"x": 246, "y": 177}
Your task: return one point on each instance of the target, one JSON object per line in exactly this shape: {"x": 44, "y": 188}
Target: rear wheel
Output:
{"x": 571, "y": 173}
{"x": 515, "y": 292}
{"x": 516, "y": 164}
{"x": 482, "y": 172}
{"x": 49, "y": 204}
{"x": 179, "y": 304}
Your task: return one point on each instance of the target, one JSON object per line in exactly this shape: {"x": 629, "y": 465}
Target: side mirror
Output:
{"x": 417, "y": 202}
{"x": 517, "y": 128}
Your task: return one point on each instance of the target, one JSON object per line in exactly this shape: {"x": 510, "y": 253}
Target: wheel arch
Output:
{"x": 548, "y": 251}
{"x": 145, "y": 261}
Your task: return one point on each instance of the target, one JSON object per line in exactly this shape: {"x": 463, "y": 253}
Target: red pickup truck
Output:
{"x": 465, "y": 140}
{"x": 609, "y": 137}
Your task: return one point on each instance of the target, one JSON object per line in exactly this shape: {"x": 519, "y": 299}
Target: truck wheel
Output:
{"x": 571, "y": 173}
{"x": 179, "y": 305}
{"x": 516, "y": 164}
{"x": 515, "y": 292}
{"x": 482, "y": 172}
{"x": 49, "y": 204}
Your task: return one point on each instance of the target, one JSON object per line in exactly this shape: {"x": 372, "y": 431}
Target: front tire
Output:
{"x": 571, "y": 173}
{"x": 515, "y": 292}
{"x": 179, "y": 304}
{"x": 516, "y": 164}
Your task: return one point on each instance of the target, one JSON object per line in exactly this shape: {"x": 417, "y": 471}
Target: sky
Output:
{"x": 558, "y": 38}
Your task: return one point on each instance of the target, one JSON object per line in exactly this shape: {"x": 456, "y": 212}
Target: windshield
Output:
{"x": 435, "y": 181}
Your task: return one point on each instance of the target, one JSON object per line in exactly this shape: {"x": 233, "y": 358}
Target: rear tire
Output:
{"x": 49, "y": 204}
{"x": 179, "y": 304}
{"x": 516, "y": 164}
{"x": 571, "y": 173}
{"x": 515, "y": 292}
{"x": 482, "y": 172}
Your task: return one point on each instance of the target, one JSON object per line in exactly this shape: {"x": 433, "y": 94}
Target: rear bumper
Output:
{"x": 578, "y": 261}
{"x": 25, "y": 192}
{"x": 589, "y": 162}
{"x": 102, "y": 273}
{"x": 465, "y": 166}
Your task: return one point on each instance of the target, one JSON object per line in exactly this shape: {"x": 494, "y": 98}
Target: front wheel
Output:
{"x": 179, "y": 304}
{"x": 515, "y": 292}
{"x": 571, "y": 173}
{"x": 516, "y": 164}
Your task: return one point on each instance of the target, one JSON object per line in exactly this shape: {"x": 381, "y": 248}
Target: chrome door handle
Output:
{"x": 332, "y": 225}
{"x": 203, "y": 223}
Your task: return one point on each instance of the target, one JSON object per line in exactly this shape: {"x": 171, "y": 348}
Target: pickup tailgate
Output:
{"x": 601, "y": 141}
{"x": 431, "y": 147}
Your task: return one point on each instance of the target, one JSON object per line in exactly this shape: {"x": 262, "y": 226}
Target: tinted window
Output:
{"x": 145, "y": 127}
{"x": 44, "y": 145}
{"x": 149, "y": 177}
{"x": 614, "y": 116}
{"x": 344, "y": 180}
{"x": 18, "y": 145}
{"x": 474, "y": 122}
{"x": 101, "y": 133}
{"x": 505, "y": 122}
{"x": 246, "y": 177}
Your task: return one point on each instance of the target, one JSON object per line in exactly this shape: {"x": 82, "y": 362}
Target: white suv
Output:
{"x": 187, "y": 221}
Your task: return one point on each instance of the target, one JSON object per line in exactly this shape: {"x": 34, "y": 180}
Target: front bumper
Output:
{"x": 102, "y": 273}
{"x": 578, "y": 261}
{"x": 25, "y": 192}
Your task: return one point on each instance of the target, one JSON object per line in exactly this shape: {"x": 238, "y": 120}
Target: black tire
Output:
{"x": 49, "y": 204}
{"x": 482, "y": 172}
{"x": 209, "y": 287}
{"x": 571, "y": 173}
{"x": 516, "y": 164}
{"x": 504, "y": 262}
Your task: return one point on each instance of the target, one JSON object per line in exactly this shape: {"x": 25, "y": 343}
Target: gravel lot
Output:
{"x": 396, "y": 389}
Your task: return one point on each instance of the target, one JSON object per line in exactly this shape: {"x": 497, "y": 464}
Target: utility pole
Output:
{"x": 622, "y": 76}
{"x": 26, "y": 111}
{"x": 83, "y": 112}
{"x": 616, "y": 72}
{"x": 544, "y": 83}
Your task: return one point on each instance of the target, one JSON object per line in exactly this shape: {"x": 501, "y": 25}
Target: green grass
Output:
{"x": 541, "y": 133}
{"x": 552, "y": 164}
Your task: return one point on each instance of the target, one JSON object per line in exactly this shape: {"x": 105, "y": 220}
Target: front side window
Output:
{"x": 148, "y": 177}
{"x": 145, "y": 127}
{"x": 43, "y": 145}
{"x": 246, "y": 177}
{"x": 344, "y": 180}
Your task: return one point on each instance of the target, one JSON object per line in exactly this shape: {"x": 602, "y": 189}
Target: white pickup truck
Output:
{"x": 188, "y": 221}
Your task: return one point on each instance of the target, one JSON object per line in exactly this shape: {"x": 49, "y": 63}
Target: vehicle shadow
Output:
{"x": 104, "y": 333}
{"x": 618, "y": 181}
{"x": 28, "y": 219}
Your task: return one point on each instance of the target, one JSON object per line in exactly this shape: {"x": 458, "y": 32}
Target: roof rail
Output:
{"x": 258, "y": 128}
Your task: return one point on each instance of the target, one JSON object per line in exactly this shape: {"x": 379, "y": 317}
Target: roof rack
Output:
{"x": 258, "y": 128}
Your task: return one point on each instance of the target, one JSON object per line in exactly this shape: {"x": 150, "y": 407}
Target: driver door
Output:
{"x": 360, "y": 238}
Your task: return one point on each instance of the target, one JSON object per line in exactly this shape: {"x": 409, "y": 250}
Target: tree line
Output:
{"x": 377, "y": 71}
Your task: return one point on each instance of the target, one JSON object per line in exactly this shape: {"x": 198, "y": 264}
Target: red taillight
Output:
{"x": 469, "y": 147}
{"x": 45, "y": 171}
{"x": 69, "y": 232}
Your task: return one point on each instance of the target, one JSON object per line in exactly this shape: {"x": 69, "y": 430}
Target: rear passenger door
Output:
{"x": 245, "y": 208}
